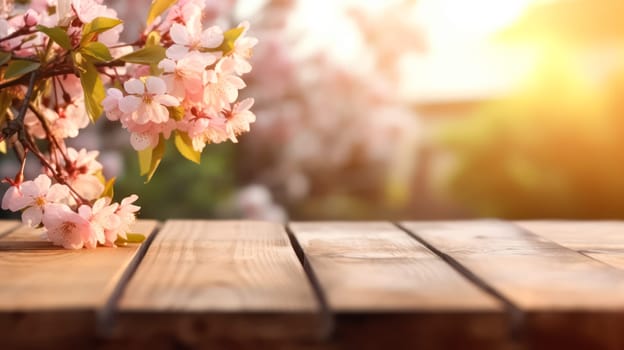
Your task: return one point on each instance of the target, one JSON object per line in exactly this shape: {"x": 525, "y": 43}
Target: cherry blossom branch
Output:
{"x": 54, "y": 72}
{"x": 20, "y": 32}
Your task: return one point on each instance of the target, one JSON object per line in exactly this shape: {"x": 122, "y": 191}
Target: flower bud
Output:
{"x": 31, "y": 18}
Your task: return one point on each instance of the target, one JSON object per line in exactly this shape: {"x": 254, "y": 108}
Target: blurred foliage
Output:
{"x": 553, "y": 148}
{"x": 180, "y": 188}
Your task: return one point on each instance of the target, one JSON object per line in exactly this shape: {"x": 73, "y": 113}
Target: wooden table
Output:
{"x": 323, "y": 285}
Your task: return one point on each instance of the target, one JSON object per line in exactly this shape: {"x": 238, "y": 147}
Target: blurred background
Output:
{"x": 428, "y": 109}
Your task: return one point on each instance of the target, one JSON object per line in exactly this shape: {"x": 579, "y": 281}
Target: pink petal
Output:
{"x": 230, "y": 91}
{"x": 167, "y": 65}
{"x": 212, "y": 37}
{"x": 43, "y": 182}
{"x": 244, "y": 105}
{"x": 130, "y": 104}
{"x": 242, "y": 66}
{"x": 30, "y": 189}
{"x": 114, "y": 93}
{"x": 32, "y": 216}
{"x": 134, "y": 86}
{"x": 141, "y": 141}
{"x": 236, "y": 82}
{"x": 167, "y": 100}
{"x": 179, "y": 34}
{"x": 160, "y": 114}
{"x": 57, "y": 193}
{"x": 156, "y": 86}
{"x": 177, "y": 52}
{"x": 13, "y": 199}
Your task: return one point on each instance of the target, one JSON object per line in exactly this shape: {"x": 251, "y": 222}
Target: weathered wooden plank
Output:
{"x": 386, "y": 289}
{"x": 50, "y": 295}
{"x": 6, "y": 226}
{"x": 601, "y": 240}
{"x": 203, "y": 280}
{"x": 567, "y": 298}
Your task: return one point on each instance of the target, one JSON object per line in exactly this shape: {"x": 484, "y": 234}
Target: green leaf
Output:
{"x": 98, "y": 25}
{"x": 229, "y": 37}
{"x": 98, "y": 51}
{"x": 145, "y": 161}
{"x": 4, "y": 57}
{"x": 109, "y": 190}
{"x": 130, "y": 238}
{"x": 58, "y": 35}
{"x": 17, "y": 68}
{"x": 147, "y": 55}
{"x": 149, "y": 159}
{"x": 94, "y": 92}
{"x": 185, "y": 147}
{"x": 157, "y": 8}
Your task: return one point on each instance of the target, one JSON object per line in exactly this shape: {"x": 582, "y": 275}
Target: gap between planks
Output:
{"x": 204, "y": 280}
{"x": 384, "y": 288}
{"x": 566, "y": 298}
{"x": 516, "y": 315}
{"x": 105, "y": 318}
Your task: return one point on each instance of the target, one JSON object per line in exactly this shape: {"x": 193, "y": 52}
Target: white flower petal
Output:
{"x": 167, "y": 100}
{"x": 134, "y": 86}
{"x": 212, "y": 37}
{"x": 32, "y": 216}
{"x": 167, "y": 65}
{"x": 179, "y": 34}
{"x": 130, "y": 104}
{"x": 141, "y": 141}
{"x": 177, "y": 52}
{"x": 156, "y": 86}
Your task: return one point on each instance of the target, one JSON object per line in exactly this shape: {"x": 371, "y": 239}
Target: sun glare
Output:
{"x": 468, "y": 20}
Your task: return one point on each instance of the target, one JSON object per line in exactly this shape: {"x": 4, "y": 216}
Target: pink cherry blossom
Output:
{"x": 67, "y": 228}
{"x": 102, "y": 218}
{"x": 88, "y": 10}
{"x": 111, "y": 104}
{"x": 66, "y": 123}
{"x": 204, "y": 127}
{"x": 31, "y": 18}
{"x": 13, "y": 199}
{"x": 242, "y": 51}
{"x": 83, "y": 173}
{"x": 147, "y": 101}
{"x": 35, "y": 196}
{"x": 239, "y": 118}
{"x": 223, "y": 84}
{"x": 126, "y": 216}
{"x": 184, "y": 77}
{"x": 190, "y": 38}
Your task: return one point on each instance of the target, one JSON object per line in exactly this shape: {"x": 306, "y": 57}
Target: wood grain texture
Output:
{"x": 202, "y": 280}
{"x": 50, "y": 294}
{"x": 386, "y": 289}
{"x": 6, "y": 226}
{"x": 601, "y": 240}
{"x": 566, "y": 298}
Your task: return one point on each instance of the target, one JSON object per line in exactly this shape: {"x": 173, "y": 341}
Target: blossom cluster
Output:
{"x": 57, "y": 58}
{"x": 49, "y": 204}
{"x": 196, "y": 90}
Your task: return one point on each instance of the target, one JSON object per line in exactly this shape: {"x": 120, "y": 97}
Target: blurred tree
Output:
{"x": 553, "y": 148}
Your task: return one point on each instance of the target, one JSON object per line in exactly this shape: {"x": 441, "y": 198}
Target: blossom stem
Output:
{"x": 51, "y": 138}
{"x": 20, "y": 32}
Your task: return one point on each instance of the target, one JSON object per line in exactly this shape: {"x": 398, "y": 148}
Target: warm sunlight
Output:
{"x": 457, "y": 20}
